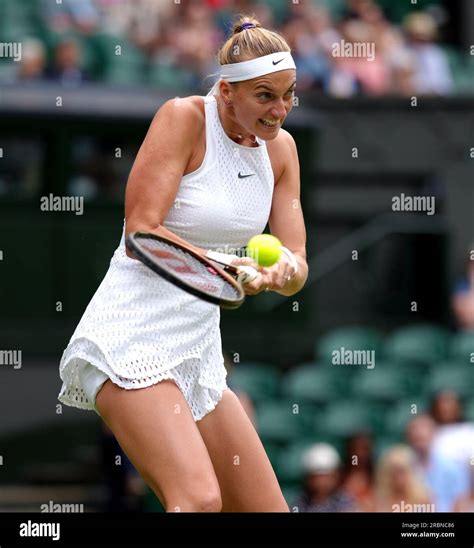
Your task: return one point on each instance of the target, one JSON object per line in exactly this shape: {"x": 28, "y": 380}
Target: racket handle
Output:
{"x": 246, "y": 274}
{"x": 222, "y": 258}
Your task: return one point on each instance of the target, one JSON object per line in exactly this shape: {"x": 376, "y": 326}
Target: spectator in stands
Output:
{"x": 311, "y": 35}
{"x": 390, "y": 45}
{"x": 397, "y": 485}
{"x": 446, "y": 408}
{"x": 70, "y": 15}
{"x": 193, "y": 41}
{"x": 141, "y": 21}
{"x": 432, "y": 74}
{"x": 465, "y": 503}
{"x": 67, "y": 64}
{"x": 445, "y": 480}
{"x": 358, "y": 470}
{"x": 454, "y": 442}
{"x": 33, "y": 61}
{"x": 368, "y": 72}
{"x": 462, "y": 301}
{"x": 355, "y": 9}
{"x": 322, "y": 483}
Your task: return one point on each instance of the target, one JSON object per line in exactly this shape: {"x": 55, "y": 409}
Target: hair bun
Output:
{"x": 246, "y": 24}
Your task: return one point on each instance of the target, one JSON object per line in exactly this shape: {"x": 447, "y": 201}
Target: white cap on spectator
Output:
{"x": 321, "y": 458}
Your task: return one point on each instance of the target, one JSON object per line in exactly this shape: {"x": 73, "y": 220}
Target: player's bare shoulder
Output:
{"x": 183, "y": 114}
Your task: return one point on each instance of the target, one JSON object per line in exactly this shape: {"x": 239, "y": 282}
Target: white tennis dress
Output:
{"x": 139, "y": 329}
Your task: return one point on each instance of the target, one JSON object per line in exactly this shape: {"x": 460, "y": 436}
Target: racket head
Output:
{"x": 186, "y": 269}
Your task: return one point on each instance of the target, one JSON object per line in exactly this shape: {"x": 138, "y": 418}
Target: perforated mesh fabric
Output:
{"x": 138, "y": 328}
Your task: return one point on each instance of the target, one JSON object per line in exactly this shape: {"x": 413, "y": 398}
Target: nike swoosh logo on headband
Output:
{"x": 245, "y": 176}
{"x": 276, "y": 62}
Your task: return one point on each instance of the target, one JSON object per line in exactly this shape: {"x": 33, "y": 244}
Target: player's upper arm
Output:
{"x": 286, "y": 216}
{"x": 160, "y": 163}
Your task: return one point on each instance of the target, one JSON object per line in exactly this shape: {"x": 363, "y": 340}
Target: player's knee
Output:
{"x": 200, "y": 500}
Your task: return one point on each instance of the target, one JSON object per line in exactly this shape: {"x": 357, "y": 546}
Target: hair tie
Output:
{"x": 246, "y": 26}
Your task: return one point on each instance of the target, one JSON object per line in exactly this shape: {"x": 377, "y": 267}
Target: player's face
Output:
{"x": 262, "y": 104}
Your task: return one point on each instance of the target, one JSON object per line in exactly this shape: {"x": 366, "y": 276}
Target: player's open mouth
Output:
{"x": 272, "y": 124}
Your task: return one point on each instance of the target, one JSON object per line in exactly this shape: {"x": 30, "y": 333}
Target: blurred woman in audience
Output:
{"x": 398, "y": 487}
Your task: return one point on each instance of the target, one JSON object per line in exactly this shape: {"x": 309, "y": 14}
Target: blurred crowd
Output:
{"x": 428, "y": 471}
{"x": 174, "y": 44}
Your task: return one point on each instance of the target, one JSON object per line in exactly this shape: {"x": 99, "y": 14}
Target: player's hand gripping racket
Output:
{"x": 215, "y": 281}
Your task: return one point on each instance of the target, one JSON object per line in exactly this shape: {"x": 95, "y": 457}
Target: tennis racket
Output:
{"x": 215, "y": 281}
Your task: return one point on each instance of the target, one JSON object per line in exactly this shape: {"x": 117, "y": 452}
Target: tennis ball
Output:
{"x": 264, "y": 249}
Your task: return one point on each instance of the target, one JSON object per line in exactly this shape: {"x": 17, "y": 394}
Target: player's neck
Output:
{"x": 232, "y": 129}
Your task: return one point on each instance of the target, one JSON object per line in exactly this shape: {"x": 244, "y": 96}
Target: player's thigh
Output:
{"x": 246, "y": 477}
{"x": 155, "y": 428}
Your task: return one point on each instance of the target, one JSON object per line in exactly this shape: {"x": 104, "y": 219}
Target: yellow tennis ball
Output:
{"x": 264, "y": 249}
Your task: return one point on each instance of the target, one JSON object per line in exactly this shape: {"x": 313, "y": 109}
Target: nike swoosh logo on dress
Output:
{"x": 245, "y": 176}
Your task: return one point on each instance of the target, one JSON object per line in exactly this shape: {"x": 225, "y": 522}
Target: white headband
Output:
{"x": 275, "y": 62}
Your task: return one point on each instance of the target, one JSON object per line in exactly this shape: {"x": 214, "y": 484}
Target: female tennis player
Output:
{"x": 146, "y": 355}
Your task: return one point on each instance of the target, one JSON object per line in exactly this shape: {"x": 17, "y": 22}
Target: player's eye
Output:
{"x": 264, "y": 95}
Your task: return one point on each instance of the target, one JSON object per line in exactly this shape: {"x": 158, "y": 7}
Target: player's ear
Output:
{"x": 226, "y": 92}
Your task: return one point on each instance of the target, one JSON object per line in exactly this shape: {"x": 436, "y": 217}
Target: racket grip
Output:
{"x": 222, "y": 258}
{"x": 246, "y": 274}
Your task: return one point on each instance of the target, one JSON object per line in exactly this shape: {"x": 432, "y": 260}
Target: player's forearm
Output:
{"x": 299, "y": 279}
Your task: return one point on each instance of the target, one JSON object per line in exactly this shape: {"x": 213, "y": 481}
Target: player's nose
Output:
{"x": 279, "y": 110}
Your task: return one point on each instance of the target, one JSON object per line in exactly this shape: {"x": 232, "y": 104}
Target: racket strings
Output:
{"x": 190, "y": 269}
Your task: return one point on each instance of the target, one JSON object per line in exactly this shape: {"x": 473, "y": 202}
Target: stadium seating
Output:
{"x": 398, "y": 417}
{"x": 462, "y": 347}
{"x": 290, "y": 464}
{"x": 283, "y": 421}
{"x": 121, "y": 62}
{"x": 469, "y": 410}
{"x": 311, "y": 382}
{"x": 260, "y": 381}
{"x": 384, "y": 383}
{"x": 167, "y": 76}
{"x": 422, "y": 344}
{"x": 342, "y": 418}
{"x": 335, "y": 402}
{"x": 349, "y": 338}
{"x": 451, "y": 375}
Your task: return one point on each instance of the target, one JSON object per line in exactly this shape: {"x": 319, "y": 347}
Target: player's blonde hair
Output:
{"x": 249, "y": 43}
